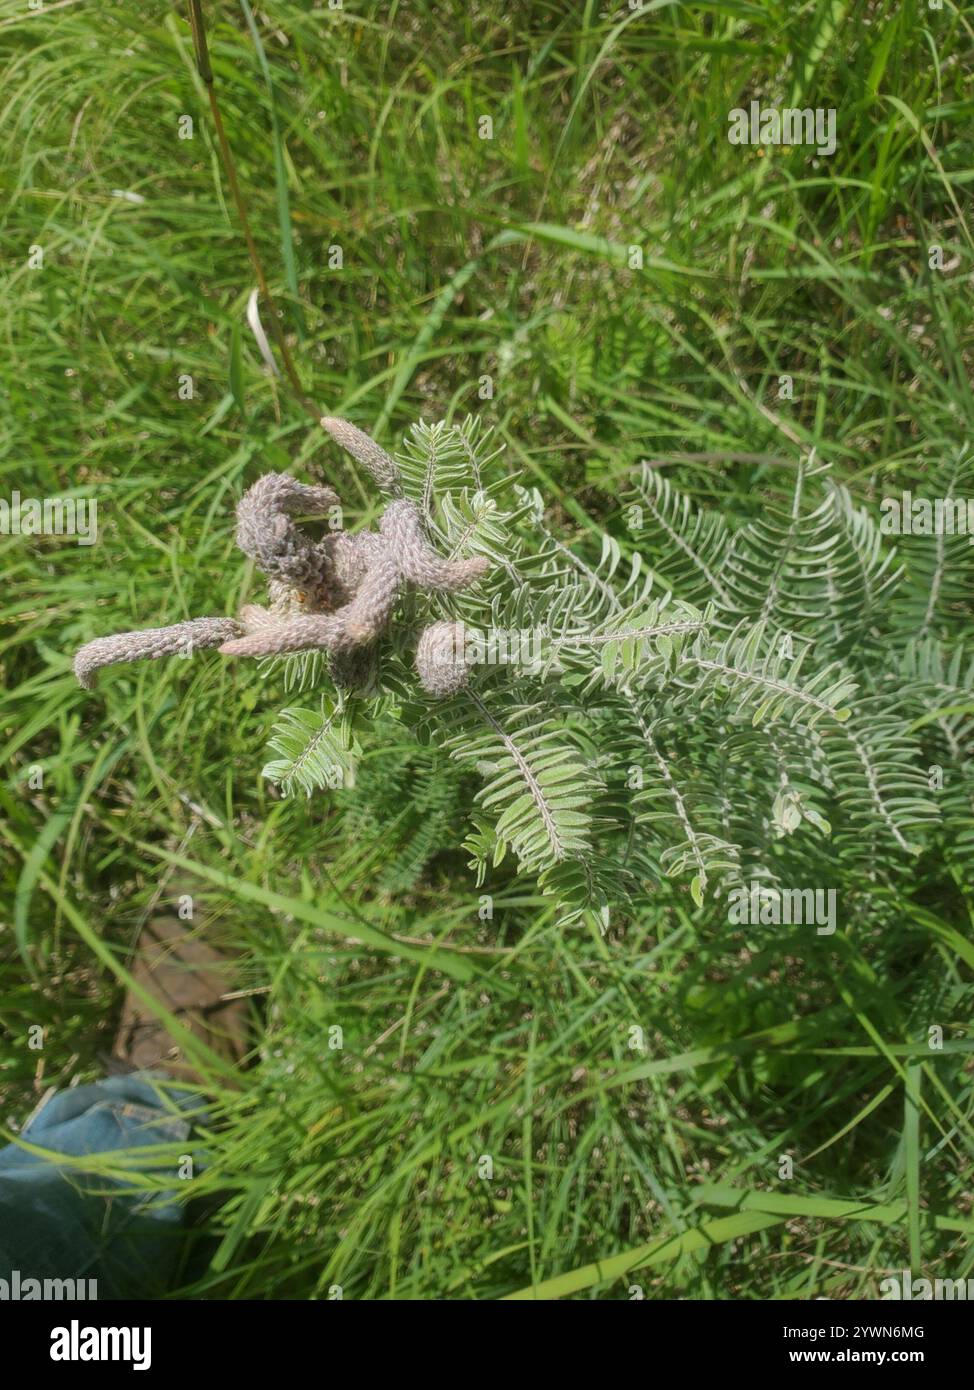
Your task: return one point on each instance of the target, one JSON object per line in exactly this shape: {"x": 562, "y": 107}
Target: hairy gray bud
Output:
{"x": 440, "y": 660}
{"x": 148, "y": 644}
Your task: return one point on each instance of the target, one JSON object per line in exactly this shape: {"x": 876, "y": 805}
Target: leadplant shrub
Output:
{"x": 780, "y": 700}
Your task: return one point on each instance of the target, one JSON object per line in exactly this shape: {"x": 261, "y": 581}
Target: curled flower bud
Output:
{"x": 440, "y": 659}
{"x": 365, "y": 451}
{"x": 149, "y": 644}
{"x": 267, "y": 534}
{"x": 337, "y": 594}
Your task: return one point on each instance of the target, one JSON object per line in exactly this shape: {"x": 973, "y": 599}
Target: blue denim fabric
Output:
{"x": 58, "y": 1223}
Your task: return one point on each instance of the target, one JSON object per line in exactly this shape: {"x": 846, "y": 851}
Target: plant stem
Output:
{"x": 230, "y": 169}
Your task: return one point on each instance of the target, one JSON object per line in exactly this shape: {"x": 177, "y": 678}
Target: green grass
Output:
{"x": 464, "y": 258}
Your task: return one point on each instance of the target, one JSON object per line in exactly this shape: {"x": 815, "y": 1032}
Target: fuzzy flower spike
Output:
{"x": 337, "y": 593}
